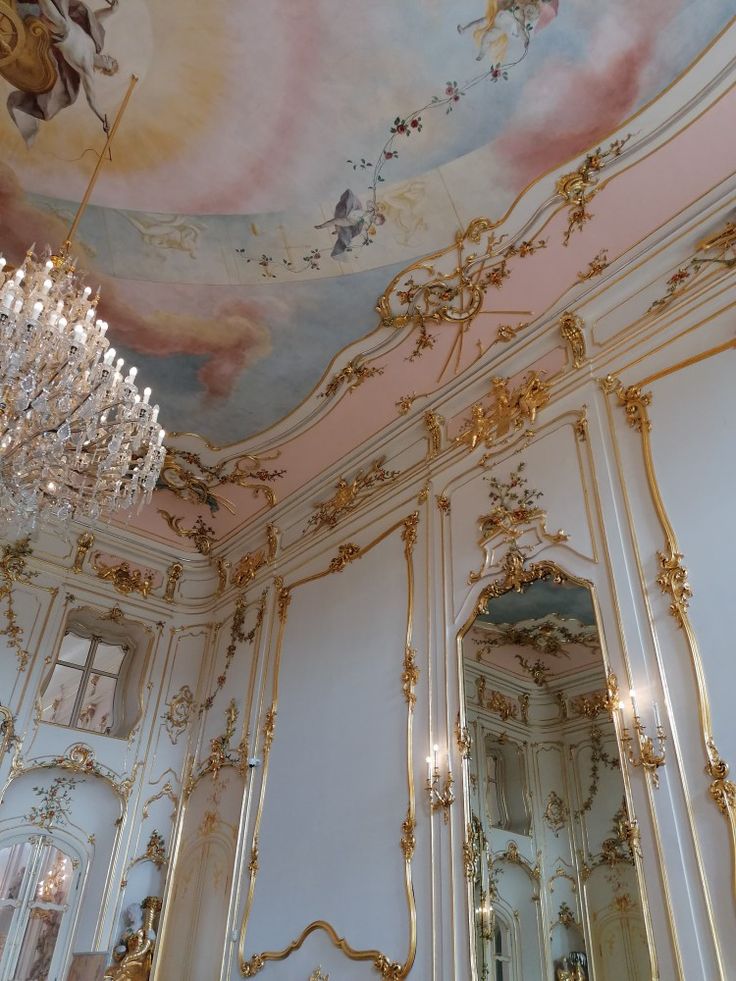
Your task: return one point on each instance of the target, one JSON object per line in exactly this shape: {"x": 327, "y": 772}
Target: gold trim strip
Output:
{"x": 387, "y": 968}
{"x": 673, "y": 580}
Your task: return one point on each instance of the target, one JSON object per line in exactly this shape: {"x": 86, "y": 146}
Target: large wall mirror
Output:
{"x": 554, "y": 888}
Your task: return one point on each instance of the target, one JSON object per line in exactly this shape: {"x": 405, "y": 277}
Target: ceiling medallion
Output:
{"x": 76, "y": 438}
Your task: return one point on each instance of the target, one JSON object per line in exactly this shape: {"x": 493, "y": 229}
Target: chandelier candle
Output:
{"x": 77, "y": 440}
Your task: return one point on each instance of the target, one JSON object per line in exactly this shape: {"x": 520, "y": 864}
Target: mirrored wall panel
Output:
{"x": 555, "y": 891}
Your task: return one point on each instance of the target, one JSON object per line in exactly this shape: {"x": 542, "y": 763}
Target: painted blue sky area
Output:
{"x": 539, "y": 600}
{"x": 309, "y": 324}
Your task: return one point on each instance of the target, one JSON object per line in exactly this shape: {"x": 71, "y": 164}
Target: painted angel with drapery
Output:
{"x": 48, "y": 50}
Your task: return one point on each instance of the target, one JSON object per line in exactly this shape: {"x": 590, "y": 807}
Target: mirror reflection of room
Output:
{"x": 554, "y": 882}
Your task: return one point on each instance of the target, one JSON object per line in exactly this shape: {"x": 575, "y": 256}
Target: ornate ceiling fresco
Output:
{"x": 279, "y": 164}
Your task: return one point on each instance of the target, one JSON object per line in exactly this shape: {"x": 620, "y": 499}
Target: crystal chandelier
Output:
{"x": 76, "y": 438}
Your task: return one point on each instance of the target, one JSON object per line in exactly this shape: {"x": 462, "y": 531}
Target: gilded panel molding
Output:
{"x": 79, "y": 759}
{"x": 408, "y": 677}
{"x": 673, "y": 580}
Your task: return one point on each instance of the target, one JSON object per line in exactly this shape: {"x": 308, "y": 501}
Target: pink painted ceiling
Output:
{"x": 280, "y": 164}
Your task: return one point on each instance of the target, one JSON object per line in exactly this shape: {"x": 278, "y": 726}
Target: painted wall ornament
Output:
{"x": 54, "y": 803}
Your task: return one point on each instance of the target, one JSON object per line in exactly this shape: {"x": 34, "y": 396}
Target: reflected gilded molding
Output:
{"x": 382, "y": 963}
{"x": 673, "y": 580}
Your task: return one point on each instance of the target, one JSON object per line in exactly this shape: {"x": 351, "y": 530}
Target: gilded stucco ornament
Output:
{"x": 596, "y": 266}
{"x": 173, "y": 575}
{"x": 155, "y": 853}
{"x": 201, "y": 535}
{"x": 178, "y": 713}
{"x": 508, "y": 412}
{"x": 124, "y": 578}
{"x": 134, "y": 955}
{"x": 579, "y": 187}
{"x": 246, "y": 568}
{"x": 14, "y": 569}
{"x": 571, "y": 329}
{"x": 433, "y": 423}
{"x": 185, "y": 474}
{"x": 449, "y": 286}
{"x": 463, "y": 738}
{"x": 555, "y": 812}
{"x": 514, "y": 511}
{"x": 84, "y": 543}
{"x": 349, "y": 494}
{"x": 351, "y": 376}
{"x": 80, "y": 759}
{"x": 591, "y": 704}
{"x": 720, "y": 249}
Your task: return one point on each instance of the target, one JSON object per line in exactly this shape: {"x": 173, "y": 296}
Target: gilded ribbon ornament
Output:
{"x": 383, "y": 965}
{"x": 673, "y": 580}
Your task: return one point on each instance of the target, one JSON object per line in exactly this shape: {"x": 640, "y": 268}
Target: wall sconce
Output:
{"x": 649, "y": 758}
{"x": 439, "y": 798}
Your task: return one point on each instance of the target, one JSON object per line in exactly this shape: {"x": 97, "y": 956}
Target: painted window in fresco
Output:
{"x": 36, "y": 880}
{"x": 82, "y": 688}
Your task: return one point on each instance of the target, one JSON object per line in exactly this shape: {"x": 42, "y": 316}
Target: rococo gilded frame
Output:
{"x": 408, "y": 676}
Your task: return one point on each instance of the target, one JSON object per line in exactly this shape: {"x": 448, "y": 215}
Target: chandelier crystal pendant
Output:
{"x": 77, "y": 440}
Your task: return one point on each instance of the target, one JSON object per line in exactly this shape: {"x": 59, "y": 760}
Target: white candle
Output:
{"x": 429, "y": 769}
{"x": 436, "y": 756}
{"x": 656, "y": 714}
{"x": 632, "y": 696}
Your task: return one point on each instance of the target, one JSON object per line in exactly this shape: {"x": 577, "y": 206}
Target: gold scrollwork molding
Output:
{"x": 351, "y": 376}
{"x": 556, "y": 812}
{"x": 571, "y": 330}
{"x": 123, "y": 578}
{"x": 408, "y": 676}
{"x": 14, "y": 569}
{"x": 246, "y": 568}
{"x": 80, "y": 759}
{"x": 579, "y": 187}
{"x": 349, "y": 494}
{"x": 201, "y": 535}
{"x": 185, "y": 474}
{"x": 84, "y": 543}
{"x": 425, "y": 295}
{"x": 673, "y": 579}
{"x": 509, "y": 410}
